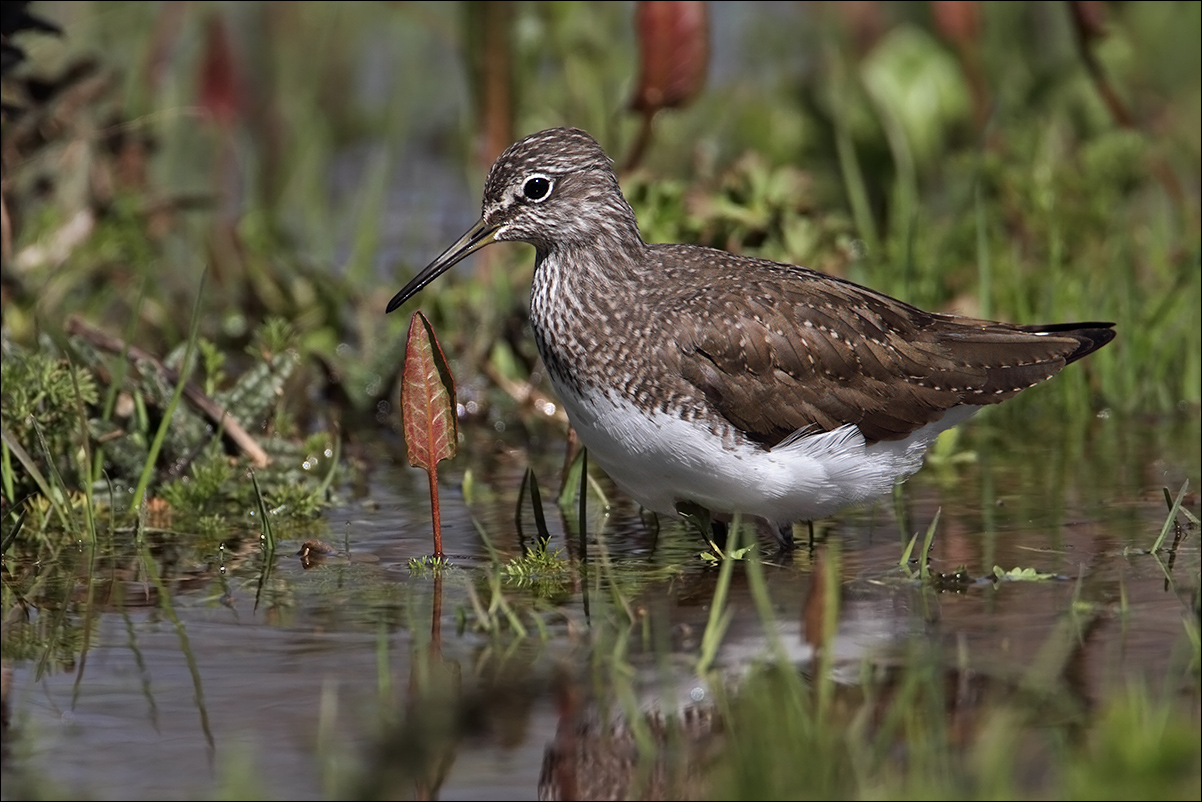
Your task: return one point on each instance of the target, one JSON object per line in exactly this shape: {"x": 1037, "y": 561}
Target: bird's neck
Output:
{"x": 578, "y": 288}
{"x": 592, "y": 258}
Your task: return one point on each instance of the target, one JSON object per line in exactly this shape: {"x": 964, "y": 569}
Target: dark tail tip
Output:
{"x": 1089, "y": 336}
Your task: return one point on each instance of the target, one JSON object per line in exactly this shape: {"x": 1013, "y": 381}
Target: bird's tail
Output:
{"x": 1089, "y": 336}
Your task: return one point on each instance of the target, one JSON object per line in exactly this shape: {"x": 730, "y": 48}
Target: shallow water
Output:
{"x": 287, "y": 679}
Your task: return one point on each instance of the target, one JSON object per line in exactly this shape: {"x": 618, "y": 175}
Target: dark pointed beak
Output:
{"x": 477, "y": 237}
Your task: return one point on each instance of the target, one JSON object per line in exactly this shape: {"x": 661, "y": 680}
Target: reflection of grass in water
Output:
{"x": 924, "y": 728}
{"x": 910, "y": 736}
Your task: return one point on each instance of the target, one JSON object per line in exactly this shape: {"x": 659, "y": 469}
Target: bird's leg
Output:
{"x": 651, "y": 523}
{"x": 784, "y": 536}
{"x": 713, "y": 530}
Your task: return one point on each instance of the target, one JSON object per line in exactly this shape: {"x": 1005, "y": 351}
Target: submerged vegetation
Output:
{"x": 207, "y": 207}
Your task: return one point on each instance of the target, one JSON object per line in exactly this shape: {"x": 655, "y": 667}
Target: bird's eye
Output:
{"x": 537, "y": 187}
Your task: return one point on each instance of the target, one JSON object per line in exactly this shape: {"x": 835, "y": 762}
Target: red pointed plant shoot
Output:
{"x": 673, "y": 40}
{"x": 428, "y": 410}
{"x": 674, "y": 51}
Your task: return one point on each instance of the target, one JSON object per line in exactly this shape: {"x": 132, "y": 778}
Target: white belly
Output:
{"x": 660, "y": 459}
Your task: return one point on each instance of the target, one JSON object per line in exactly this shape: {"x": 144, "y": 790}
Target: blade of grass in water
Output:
{"x": 267, "y": 534}
{"x": 185, "y": 369}
{"x": 927, "y": 542}
{"x": 758, "y": 584}
{"x": 335, "y": 461}
{"x": 12, "y": 446}
{"x": 719, "y": 618}
{"x": 1174, "y": 509}
{"x": 832, "y": 568}
{"x": 64, "y": 494}
{"x": 85, "y": 463}
{"x": 16, "y": 530}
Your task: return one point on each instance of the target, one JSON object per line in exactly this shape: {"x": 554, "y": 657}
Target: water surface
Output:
{"x": 291, "y": 677}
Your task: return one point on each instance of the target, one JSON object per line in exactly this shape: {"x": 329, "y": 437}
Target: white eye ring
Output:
{"x": 537, "y": 187}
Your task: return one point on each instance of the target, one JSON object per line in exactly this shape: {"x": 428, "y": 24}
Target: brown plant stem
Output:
{"x": 217, "y": 415}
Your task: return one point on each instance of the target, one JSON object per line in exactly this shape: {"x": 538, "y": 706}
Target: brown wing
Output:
{"x": 802, "y": 349}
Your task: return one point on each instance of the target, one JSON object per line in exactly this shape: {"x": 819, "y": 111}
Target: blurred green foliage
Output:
{"x": 311, "y": 156}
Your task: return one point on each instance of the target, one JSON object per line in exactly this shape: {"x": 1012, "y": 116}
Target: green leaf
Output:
{"x": 1020, "y": 575}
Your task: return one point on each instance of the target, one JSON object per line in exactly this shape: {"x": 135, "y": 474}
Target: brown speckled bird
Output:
{"x": 699, "y": 377}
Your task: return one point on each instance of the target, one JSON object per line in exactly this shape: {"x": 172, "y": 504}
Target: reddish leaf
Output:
{"x": 220, "y": 82}
{"x": 959, "y": 21}
{"x": 864, "y": 20}
{"x": 1089, "y": 23}
{"x": 1089, "y": 17}
{"x": 428, "y": 409}
{"x": 673, "y": 54}
{"x": 427, "y": 398}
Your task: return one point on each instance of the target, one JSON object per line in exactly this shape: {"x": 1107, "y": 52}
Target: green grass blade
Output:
{"x": 185, "y": 368}
{"x": 720, "y": 616}
{"x": 1174, "y": 509}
